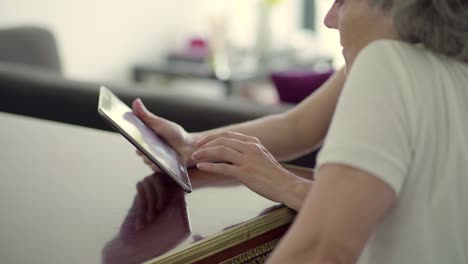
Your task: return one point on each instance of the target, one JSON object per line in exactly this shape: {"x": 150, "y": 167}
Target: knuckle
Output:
{"x": 255, "y": 140}
{"x": 230, "y": 133}
{"x": 224, "y": 169}
{"x": 222, "y": 140}
{"x": 226, "y": 134}
{"x": 255, "y": 148}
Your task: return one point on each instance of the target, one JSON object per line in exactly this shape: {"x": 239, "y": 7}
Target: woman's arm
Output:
{"x": 298, "y": 131}
{"x": 339, "y": 215}
{"x": 286, "y": 136}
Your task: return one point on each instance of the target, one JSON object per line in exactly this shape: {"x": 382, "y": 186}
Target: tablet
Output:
{"x": 122, "y": 119}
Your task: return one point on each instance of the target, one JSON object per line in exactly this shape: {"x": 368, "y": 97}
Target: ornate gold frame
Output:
{"x": 229, "y": 238}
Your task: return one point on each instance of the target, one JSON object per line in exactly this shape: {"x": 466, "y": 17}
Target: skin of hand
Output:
{"x": 297, "y": 131}
{"x": 245, "y": 158}
{"x": 175, "y": 135}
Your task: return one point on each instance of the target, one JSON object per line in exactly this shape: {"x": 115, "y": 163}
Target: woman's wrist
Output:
{"x": 189, "y": 147}
{"x": 296, "y": 192}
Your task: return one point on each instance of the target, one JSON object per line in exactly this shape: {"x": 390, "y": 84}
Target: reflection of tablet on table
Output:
{"x": 122, "y": 119}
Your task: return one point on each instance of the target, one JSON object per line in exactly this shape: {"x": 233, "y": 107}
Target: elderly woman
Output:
{"x": 391, "y": 174}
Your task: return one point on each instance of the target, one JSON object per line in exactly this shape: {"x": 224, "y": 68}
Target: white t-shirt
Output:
{"x": 403, "y": 117}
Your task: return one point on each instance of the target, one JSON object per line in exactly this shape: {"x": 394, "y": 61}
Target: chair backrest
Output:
{"x": 295, "y": 85}
{"x": 30, "y": 45}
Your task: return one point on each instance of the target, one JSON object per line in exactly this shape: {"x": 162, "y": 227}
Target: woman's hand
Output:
{"x": 245, "y": 158}
{"x": 175, "y": 135}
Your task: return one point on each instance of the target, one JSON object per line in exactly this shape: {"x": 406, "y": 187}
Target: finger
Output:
{"x": 150, "y": 163}
{"x": 146, "y": 116}
{"x": 235, "y": 144}
{"x": 147, "y": 161}
{"x": 138, "y": 152}
{"x": 218, "y": 168}
{"x": 218, "y": 154}
{"x": 227, "y": 134}
{"x": 155, "y": 168}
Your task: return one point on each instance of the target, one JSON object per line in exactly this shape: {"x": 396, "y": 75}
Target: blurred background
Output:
{"x": 108, "y": 40}
{"x": 199, "y": 63}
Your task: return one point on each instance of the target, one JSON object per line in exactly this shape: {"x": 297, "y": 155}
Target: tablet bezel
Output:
{"x": 106, "y": 94}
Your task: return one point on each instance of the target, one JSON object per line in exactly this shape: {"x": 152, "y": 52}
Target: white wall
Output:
{"x": 102, "y": 39}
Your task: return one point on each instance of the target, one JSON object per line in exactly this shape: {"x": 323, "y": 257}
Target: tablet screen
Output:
{"x": 122, "y": 118}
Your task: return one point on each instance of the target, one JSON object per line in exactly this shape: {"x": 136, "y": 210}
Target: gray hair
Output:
{"x": 440, "y": 25}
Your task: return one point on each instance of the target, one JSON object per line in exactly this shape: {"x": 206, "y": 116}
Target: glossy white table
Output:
{"x": 69, "y": 194}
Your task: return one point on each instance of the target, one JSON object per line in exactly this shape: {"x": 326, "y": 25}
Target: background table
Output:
{"x": 237, "y": 74}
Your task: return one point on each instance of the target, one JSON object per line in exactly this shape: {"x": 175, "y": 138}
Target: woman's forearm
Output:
{"x": 273, "y": 131}
{"x": 298, "y": 131}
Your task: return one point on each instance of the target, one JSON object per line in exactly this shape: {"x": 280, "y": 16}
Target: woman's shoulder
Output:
{"x": 384, "y": 55}
{"x": 400, "y": 56}
{"x": 393, "y": 48}
{"x": 390, "y": 44}
{"x": 403, "y": 52}
{"x": 390, "y": 60}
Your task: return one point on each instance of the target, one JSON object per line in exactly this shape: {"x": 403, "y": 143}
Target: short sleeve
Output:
{"x": 370, "y": 128}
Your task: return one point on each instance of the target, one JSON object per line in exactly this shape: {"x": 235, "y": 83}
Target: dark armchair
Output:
{"x": 28, "y": 45}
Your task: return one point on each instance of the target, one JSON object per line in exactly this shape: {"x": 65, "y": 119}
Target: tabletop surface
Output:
{"x": 77, "y": 195}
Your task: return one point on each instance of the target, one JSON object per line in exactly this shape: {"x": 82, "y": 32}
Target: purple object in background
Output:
{"x": 293, "y": 86}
